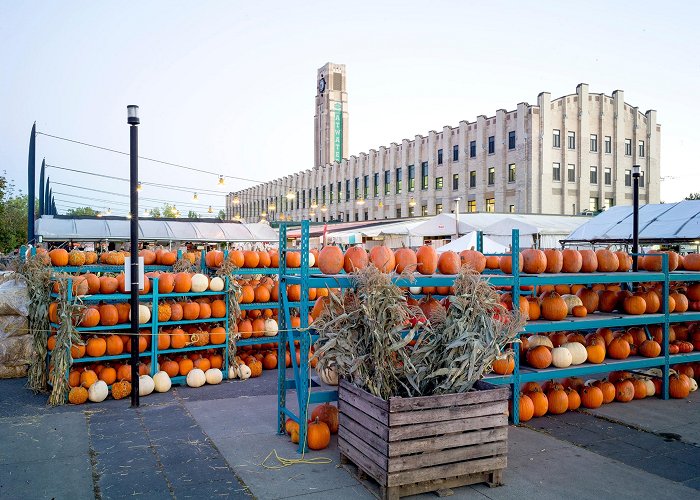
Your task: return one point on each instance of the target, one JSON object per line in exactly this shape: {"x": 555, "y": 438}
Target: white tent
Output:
{"x": 441, "y": 225}
{"x": 469, "y": 241}
{"x": 666, "y": 222}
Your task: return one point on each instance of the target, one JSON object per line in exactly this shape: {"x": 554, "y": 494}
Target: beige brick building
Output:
{"x": 564, "y": 156}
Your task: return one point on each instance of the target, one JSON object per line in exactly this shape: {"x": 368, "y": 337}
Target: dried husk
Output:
{"x": 233, "y": 296}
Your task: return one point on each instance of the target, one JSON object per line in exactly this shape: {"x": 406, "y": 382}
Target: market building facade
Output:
{"x": 568, "y": 156}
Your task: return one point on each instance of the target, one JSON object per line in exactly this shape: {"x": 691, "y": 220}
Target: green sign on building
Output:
{"x": 338, "y": 135}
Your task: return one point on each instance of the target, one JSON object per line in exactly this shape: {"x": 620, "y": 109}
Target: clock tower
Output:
{"x": 331, "y": 115}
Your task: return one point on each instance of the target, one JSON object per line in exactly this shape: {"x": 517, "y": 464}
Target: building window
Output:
{"x": 316, "y": 194}
{"x": 511, "y": 139}
{"x": 608, "y": 144}
{"x": 398, "y": 213}
{"x": 490, "y": 204}
{"x": 340, "y": 191}
{"x": 593, "y": 205}
{"x": 609, "y": 202}
{"x": 492, "y": 176}
{"x": 455, "y": 152}
{"x": 641, "y": 178}
{"x": 411, "y": 178}
{"x": 556, "y": 172}
{"x": 511, "y": 208}
{"x": 641, "y": 149}
{"x": 472, "y": 149}
{"x": 357, "y": 216}
{"x": 571, "y": 136}
{"x": 424, "y": 175}
{"x": 511, "y": 172}
{"x": 387, "y": 182}
{"x": 594, "y": 175}
{"x": 347, "y": 191}
{"x": 594, "y": 143}
{"x": 357, "y": 188}
{"x": 628, "y": 147}
{"x": 376, "y": 184}
{"x": 303, "y": 199}
{"x": 455, "y": 181}
{"x": 297, "y": 199}
{"x": 571, "y": 173}
{"x": 556, "y": 138}
{"x": 347, "y": 217}
{"x": 438, "y": 208}
{"x": 330, "y": 193}
{"x": 628, "y": 177}
{"x": 424, "y": 210}
{"x": 492, "y": 145}
{"x": 439, "y": 156}
{"x": 607, "y": 176}
{"x": 411, "y": 211}
{"x": 472, "y": 179}
{"x": 365, "y": 191}
{"x": 398, "y": 181}
{"x": 366, "y": 215}
{"x": 573, "y": 209}
{"x": 471, "y": 206}
{"x": 438, "y": 183}
{"x": 323, "y": 195}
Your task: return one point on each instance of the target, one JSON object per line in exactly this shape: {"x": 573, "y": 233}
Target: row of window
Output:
{"x": 472, "y": 148}
{"x": 571, "y": 143}
{"x": 607, "y": 175}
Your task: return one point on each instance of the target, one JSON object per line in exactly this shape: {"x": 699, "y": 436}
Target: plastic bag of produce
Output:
{"x": 13, "y": 371}
{"x": 14, "y": 300}
{"x": 16, "y": 350}
{"x": 13, "y": 326}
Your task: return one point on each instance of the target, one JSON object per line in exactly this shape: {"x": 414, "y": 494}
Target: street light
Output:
{"x": 360, "y": 201}
{"x": 195, "y": 197}
{"x": 412, "y": 203}
{"x": 314, "y": 205}
{"x": 635, "y": 216}
{"x": 221, "y": 180}
{"x": 324, "y": 208}
{"x": 236, "y": 200}
{"x": 132, "y": 118}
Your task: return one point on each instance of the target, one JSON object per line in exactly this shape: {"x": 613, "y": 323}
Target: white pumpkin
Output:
{"x": 536, "y": 340}
{"x": 693, "y": 385}
{"x": 271, "y": 327}
{"x": 196, "y": 378}
{"x": 98, "y": 391}
{"x": 146, "y": 385}
{"x": 415, "y": 290}
{"x": 651, "y": 388}
{"x": 243, "y": 372}
{"x": 328, "y": 376}
{"x": 144, "y": 314}
{"x": 561, "y": 357}
{"x": 232, "y": 372}
{"x": 199, "y": 283}
{"x": 213, "y": 376}
{"x": 162, "y": 382}
{"x": 571, "y": 302}
{"x": 312, "y": 260}
{"x": 216, "y": 284}
{"x": 579, "y": 355}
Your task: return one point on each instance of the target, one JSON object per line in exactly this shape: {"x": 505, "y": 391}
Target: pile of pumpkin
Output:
{"x": 248, "y": 259}
{"x": 573, "y": 393}
{"x": 60, "y": 257}
{"x": 322, "y": 423}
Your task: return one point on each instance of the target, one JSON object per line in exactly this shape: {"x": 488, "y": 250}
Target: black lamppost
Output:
{"x": 132, "y": 113}
{"x": 635, "y": 216}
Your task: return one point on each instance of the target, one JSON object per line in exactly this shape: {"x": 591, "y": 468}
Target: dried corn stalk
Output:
{"x": 233, "y": 296}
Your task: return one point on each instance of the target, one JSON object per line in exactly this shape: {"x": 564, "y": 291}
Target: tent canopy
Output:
{"x": 504, "y": 227}
{"x": 52, "y": 228}
{"x": 441, "y": 225}
{"x": 657, "y": 223}
{"x": 468, "y": 241}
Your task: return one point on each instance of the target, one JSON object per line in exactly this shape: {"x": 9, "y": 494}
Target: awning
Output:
{"x": 468, "y": 241}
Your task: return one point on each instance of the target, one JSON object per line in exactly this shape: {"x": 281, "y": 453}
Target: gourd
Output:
{"x": 651, "y": 388}
{"x": 78, "y": 395}
{"x": 271, "y": 327}
{"x": 312, "y": 259}
{"x": 571, "y": 302}
{"x": 161, "y": 381}
{"x": 328, "y": 376}
{"x": 144, "y": 314}
{"x": 244, "y": 372}
{"x": 578, "y": 352}
{"x": 213, "y": 376}
{"x": 121, "y": 389}
{"x": 146, "y": 385}
{"x": 415, "y": 290}
{"x": 196, "y": 378}
{"x": 561, "y": 357}
{"x": 199, "y": 283}
{"x": 98, "y": 391}
{"x": 216, "y": 284}
{"x": 536, "y": 340}
{"x": 232, "y": 372}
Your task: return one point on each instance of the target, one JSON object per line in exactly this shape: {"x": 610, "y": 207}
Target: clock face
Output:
{"x": 321, "y": 85}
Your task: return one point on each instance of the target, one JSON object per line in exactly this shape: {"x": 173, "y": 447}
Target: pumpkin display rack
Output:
{"x": 303, "y": 384}
{"x": 153, "y": 324}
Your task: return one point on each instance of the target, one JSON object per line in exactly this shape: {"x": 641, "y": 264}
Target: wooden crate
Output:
{"x": 415, "y": 445}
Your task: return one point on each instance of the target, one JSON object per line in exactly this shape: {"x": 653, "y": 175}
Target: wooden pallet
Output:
{"x": 415, "y": 445}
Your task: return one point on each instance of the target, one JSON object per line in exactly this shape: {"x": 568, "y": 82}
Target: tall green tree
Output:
{"x": 80, "y": 211}
{"x": 221, "y": 215}
{"x": 693, "y": 196}
{"x": 13, "y": 216}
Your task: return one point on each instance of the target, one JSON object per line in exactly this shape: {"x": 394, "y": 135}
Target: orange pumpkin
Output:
{"x": 527, "y": 408}
{"x": 383, "y": 258}
{"x": 591, "y": 397}
{"x": 293, "y": 259}
{"x": 327, "y": 413}
{"x": 237, "y": 258}
{"x": 355, "y": 258}
{"x": 504, "y": 365}
{"x": 330, "y": 260}
{"x": 618, "y": 348}
{"x": 449, "y": 263}
{"x": 624, "y": 391}
{"x": 589, "y": 261}
{"x": 596, "y": 353}
{"x": 589, "y": 298}
{"x": 540, "y": 403}
{"x": 427, "y": 260}
{"x": 539, "y": 357}
{"x": 553, "y": 307}
{"x": 183, "y": 282}
{"x": 534, "y": 261}
{"x": 607, "y": 261}
{"x": 635, "y": 305}
{"x": 572, "y": 260}
{"x": 96, "y": 347}
{"x": 318, "y": 435}
{"x": 506, "y": 266}
{"x": 214, "y": 258}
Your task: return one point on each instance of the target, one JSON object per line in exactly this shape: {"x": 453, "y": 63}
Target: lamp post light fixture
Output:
{"x": 635, "y": 217}
{"x": 211, "y": 210}
{"x": 324, "y": 208}
{"x": 360, "y": 201}
{"x": 314, "y": 205}
{"x": 412, "y": 203}
{"x": 221, "y": 180}
{"x": 290, "y": 195}
{"x": 236, "y": 200}
{"x": 195, "y": 197}
{"x": 132, "y": 118}
{"x": 139, "y": 187}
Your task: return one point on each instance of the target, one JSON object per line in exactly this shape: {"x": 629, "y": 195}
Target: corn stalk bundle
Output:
{"x": 233, "y": 296}
{"x": 183, "y": 266}
{"x": 61, "y": 359}
{"x": 37, "y": 275}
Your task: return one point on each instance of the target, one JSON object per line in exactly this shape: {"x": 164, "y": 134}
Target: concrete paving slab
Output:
{"x": 66, "y": 478}
{"x": 214, "y": 489}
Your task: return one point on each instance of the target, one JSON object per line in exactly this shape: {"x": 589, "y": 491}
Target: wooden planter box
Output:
{"x": 415, "y": 445}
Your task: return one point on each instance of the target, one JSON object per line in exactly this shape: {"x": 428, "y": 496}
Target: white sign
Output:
{"x": 127, "y": 273}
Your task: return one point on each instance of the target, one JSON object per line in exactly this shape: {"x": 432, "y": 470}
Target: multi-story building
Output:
{"x": 569, "y": 155}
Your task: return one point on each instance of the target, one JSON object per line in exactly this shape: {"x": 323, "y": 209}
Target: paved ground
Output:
{"x": 210, "y": 442}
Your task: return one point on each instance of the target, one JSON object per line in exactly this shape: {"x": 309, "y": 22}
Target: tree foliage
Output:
{"x": 693, "y": 196}
{"x": 192, "y": 214}
{"x": 221, "y": 215}
{"x": 13, "y": 216}
{"x": 82, "y": 211}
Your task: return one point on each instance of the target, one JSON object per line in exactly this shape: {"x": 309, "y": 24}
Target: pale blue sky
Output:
{"x": 229, "y": 86}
